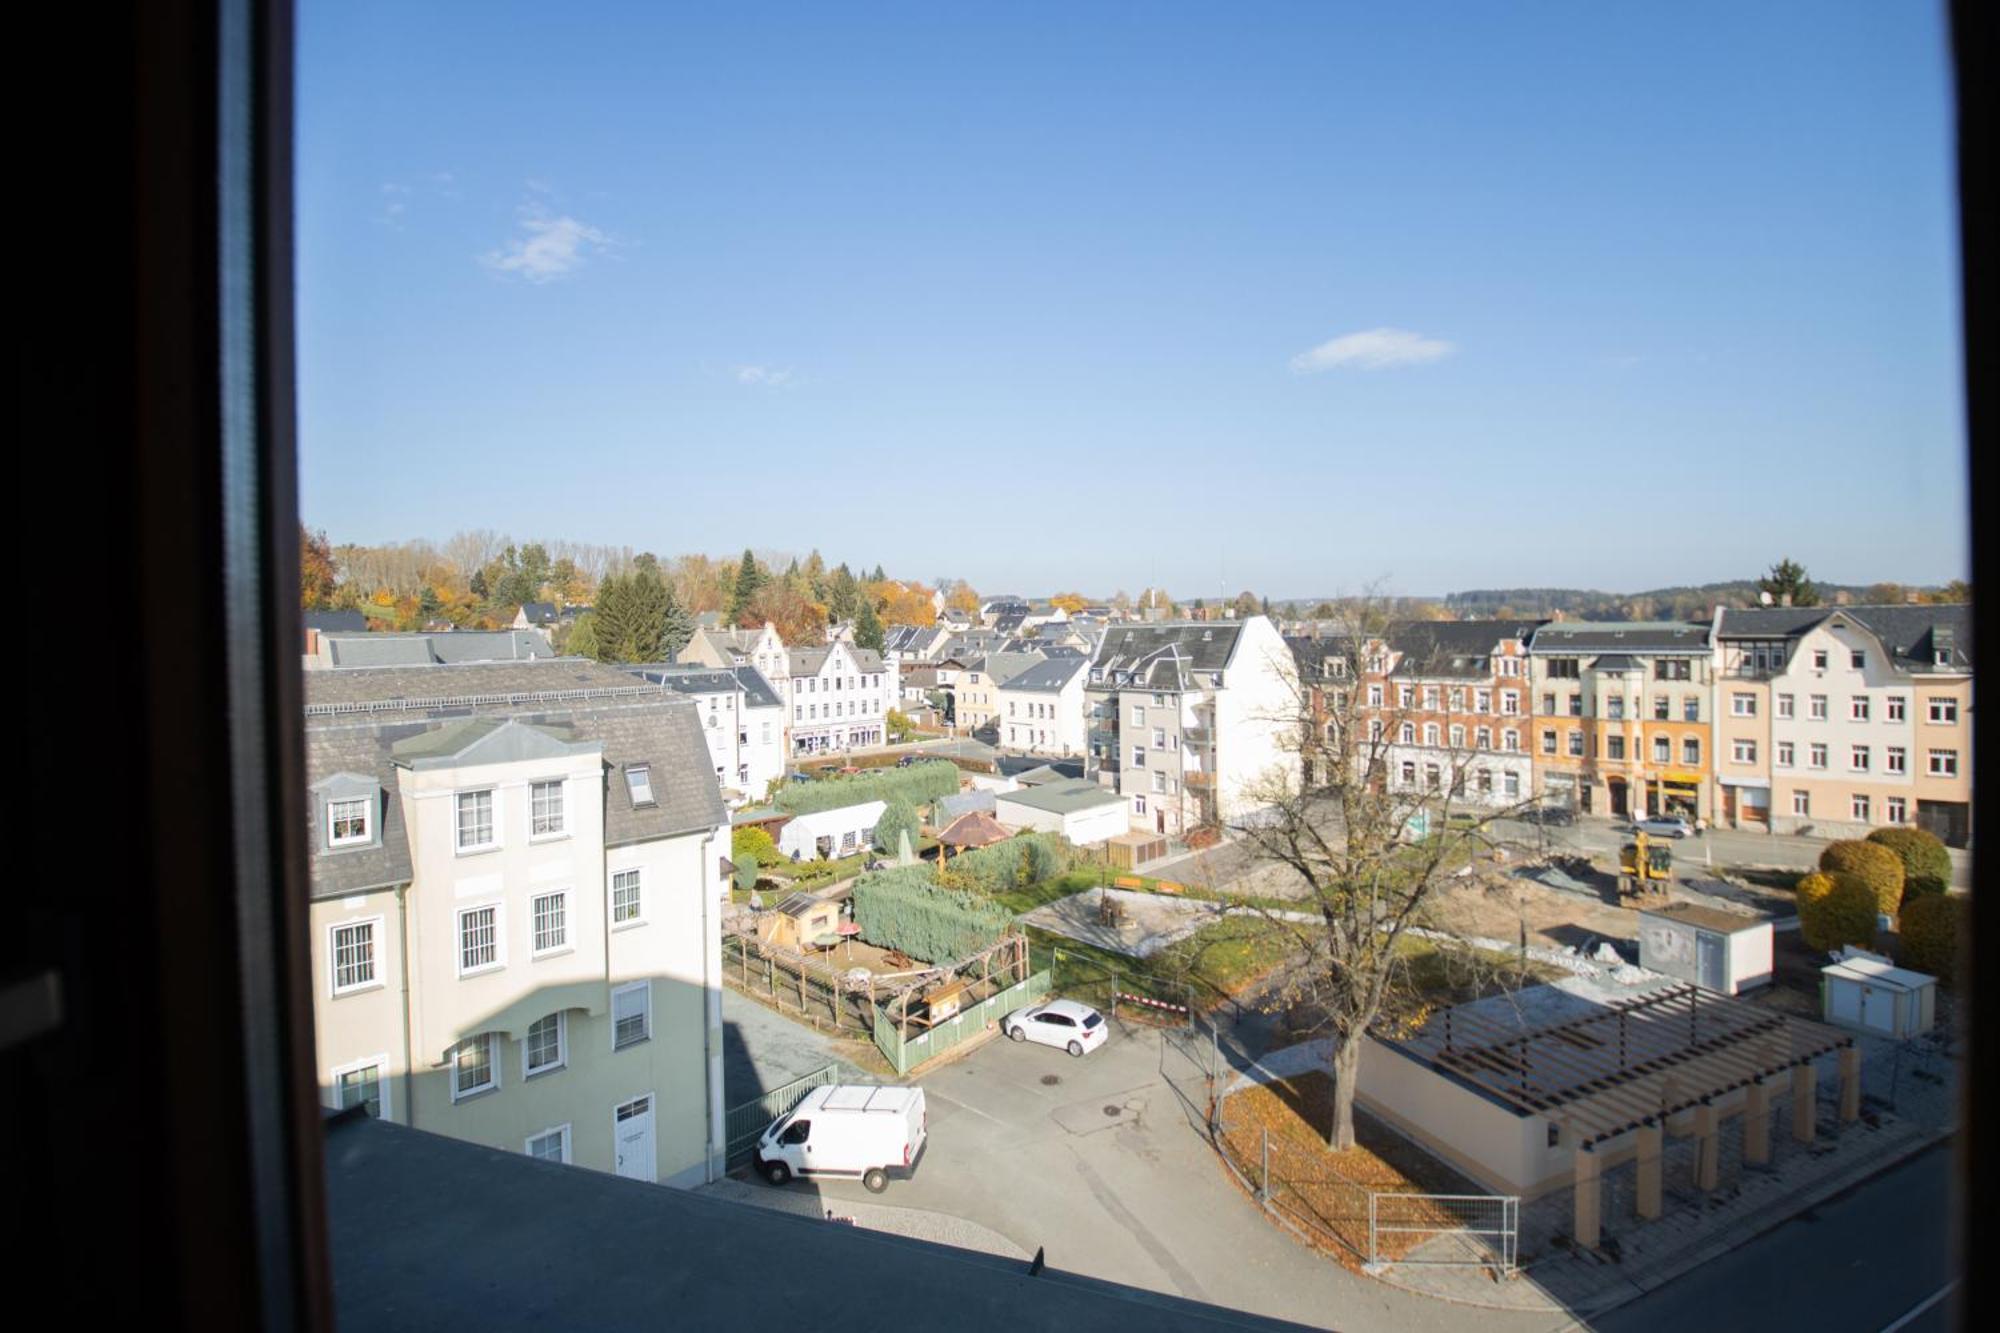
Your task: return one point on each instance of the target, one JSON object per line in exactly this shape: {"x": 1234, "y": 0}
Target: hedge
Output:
{"x": 1835, "y": 909}
{"x": 1874, "y": 865}
{"x": 905, "y": 908}
{"x": 899, "y": 818}
{"x": 916, "y": 784}
{"x": 1932, "y": 926}
{"x": 1024, "y": 859}
{"x": 1926, "y": 864}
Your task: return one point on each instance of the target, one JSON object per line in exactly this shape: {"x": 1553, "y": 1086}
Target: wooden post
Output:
{"x": 1805, "y": 1099}
{"x": 1850, "y": 1084}
{"x": 1707, "y": 1148}
{"x": 1757, "y": 1124}
{"x": 1650, "y": 1165}
{"x": 1589, "y": 1200}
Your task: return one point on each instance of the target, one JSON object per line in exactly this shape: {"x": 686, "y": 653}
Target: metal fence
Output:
{"x": 746, "y": 1122}
{"x": 1482, "y": 1230}
{"x": 906, "y": 1053}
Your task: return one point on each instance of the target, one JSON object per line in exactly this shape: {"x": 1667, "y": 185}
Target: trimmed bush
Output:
{"x": 899, "y": 818}
{"x": 1835, "y": 909}
{"x": 905, "y": 908}
{"x": 1874, "y": 865}
{"x": 1024, "y": 859}
{"x": 916, "y": 784}
{"x": 1926, "y": 864}
{"x": 746, "y": 869}
{"x": 1932, "y": 926}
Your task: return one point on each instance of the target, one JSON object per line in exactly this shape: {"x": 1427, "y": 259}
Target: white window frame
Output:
{"x": 459, "y": 844}
{"x": 1941, "y": 763}
{"x": 1816, "y": 755}
{"x": 374, "y": 982}
{"x": 1896, "y": 759}
{"x": 561, "y": 830}
{"x": 379, "y": 1062}
{"x": 1802, "y": 803}
{"x": 1742, "y": 751}
{"x": 492, "y": 1083}
{"x": 499, "y": 911}
{"x": 536, "y": 948}
{"x": 1941, "y": 709}
{"x": 1138, "y": 805}
{"x": 1896, "y": 707}
{"x": 1896, "y": 810}
{"x": 1859, "y": 758}
{"x": 644, "y": 987}
{"x": 1858, "y": 708}
{"x": 1859, "y": 808}
{"x": 1787, "y": 755}
{"x": 1742, "y": 705}
{"x": 1816, "y": 707}
{"x": 639, "y": 882}
{"x": 561, "y": 1061}
{"x": 361, "y": 839}
{"x": 1786, "y": 706}
{"x": 528, "y": 1144}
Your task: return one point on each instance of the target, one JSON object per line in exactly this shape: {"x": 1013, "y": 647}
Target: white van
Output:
{"x": 847, "y": 1130}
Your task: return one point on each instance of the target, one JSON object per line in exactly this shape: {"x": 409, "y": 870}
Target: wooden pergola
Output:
{"x": 1632, "y": 1065}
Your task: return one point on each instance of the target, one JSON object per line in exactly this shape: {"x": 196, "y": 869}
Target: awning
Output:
{"x": 1765, "y": 783}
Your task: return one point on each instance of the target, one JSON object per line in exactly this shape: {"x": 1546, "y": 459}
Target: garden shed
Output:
{"x": 1870, "y": 994}
{"x": 801, "y": 922}
{"x": 1079, "y": 809}
{"x": 1722, "y": 951}
{"x": 830, "y": 834}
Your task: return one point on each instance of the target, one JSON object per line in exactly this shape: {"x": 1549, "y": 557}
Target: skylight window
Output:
{"x": 639, "y": 781}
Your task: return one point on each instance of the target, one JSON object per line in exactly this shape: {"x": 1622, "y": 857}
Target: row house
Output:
{"x": 1445, "y": 707}
{"x": 515, "y": 907}
{"x": 1621, "y": 718}
{"x": 722, "y": 648}
{"x": 1041, "y": 709}
{"x": 976, "y": 702}
{"x": 840, "y": 697}
{"x": 1193, "y": 724}
{"x": 743, "y": 719}
{"x": 1836, "y": 720}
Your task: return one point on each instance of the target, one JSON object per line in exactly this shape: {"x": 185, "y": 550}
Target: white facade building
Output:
{"x": 840, "y": 697}
{"x": 743, "y": 720}
{"x": 1041, "y": 709}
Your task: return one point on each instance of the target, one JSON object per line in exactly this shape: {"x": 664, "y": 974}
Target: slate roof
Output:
{"x": 470, "y": 645}
{"x": 1583, "y": 637}
{"x": 1452, "y": 648}
{"x": 758, "y": 692}
{"x": 1162, "y": 655}
{"x": 1912, "y": 634}
{"x": 1048, "y": 675}
{"x": 337, "y": 622}
{"x": 1009, "y": 622}
{"x": 356, "y": 718}
{"x": 811, "y": 661}
{"x": 540, "y": 613}
{"x": 1004, "y": 668}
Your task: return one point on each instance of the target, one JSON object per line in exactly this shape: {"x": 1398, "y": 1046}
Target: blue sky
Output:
{"x": 1301, "y": 298}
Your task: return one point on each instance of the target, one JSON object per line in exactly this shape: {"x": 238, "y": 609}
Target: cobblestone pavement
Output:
{"x": 1637, "y": 1257}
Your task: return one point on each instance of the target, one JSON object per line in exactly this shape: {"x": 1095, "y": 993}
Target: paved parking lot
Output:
{"x": 1096, "y": 1161}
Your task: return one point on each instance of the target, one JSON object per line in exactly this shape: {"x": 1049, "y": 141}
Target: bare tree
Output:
{"x": 473, "y": 550}
{"x": 1371, "y": 839}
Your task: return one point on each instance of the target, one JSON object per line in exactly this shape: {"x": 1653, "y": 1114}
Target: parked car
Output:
{"x": 851, "y": 1131}
{"x": 798, "y": 775}
{"x": 1664, "y": 826}
{"x": 1076, "y": 1028}
{"x": 1549, "y": 816}
{"x": 906, "y": 761}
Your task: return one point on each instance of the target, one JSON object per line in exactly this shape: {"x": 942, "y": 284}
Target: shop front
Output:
{"x": 1746, "y": 802}
{"x": 1674, "y": 794}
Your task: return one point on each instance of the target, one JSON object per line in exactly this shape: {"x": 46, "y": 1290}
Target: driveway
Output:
{"x": 1099, "y": 1162}
{"x": 762, "y": 1050}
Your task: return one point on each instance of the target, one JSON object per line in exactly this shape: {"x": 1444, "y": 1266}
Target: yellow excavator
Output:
{"x": 1645, "y": 867}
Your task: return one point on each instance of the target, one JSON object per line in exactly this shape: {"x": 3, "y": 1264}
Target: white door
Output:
{"x": 1878, "y": 1010}
{"x": 633, "y": 1138}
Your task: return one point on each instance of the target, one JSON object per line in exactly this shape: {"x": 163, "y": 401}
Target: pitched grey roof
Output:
{"x": 1912, "y": 634}
{"x": 1002, "y": 668}
{"x": 540, "y": 613}
{"x": 471, "y": 645}
{"x": 1571, "y": 637}
{"x": 337, "y": 622}
{"x": 1048, "y": 675}
{"x": 1770, "y": 622}
{"x": 1064, "y": 797}
{"x": 356, "y": 720}
{"x": 758, "y": 692}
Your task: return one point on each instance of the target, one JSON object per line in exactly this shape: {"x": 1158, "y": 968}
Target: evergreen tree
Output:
{"x": 1788, "y": 585}
{"x": 868, "y": 626}
{"x": 878, "y": 576}
{"x": 581, "y": 640}
{"x": 843, "y": 595}
{"x": 749, "y": 579}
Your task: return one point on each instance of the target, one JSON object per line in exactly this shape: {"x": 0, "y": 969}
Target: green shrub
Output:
{"x": 1835, "y": 909}
{"x": 905, "y": 908}
{"x": 753, "y": 841}
{"x": 1026, "y": 858}
{"x": 916, "y": 784}
{"x": 899, "y": 818}
{"x": 746, "y": 869}
{"x": 1932, "y": 926}
{"x": 1926, "y": 863}
{"x": 1874, "y": 865}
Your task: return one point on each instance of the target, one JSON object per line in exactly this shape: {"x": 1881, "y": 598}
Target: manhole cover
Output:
{"x": 1050, "y": 1080}
{"x": 1114, "y": 1110}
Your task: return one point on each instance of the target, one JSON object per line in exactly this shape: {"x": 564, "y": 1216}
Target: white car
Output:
{"x": 1665, "y": 826}
{"x": 1076, "y": 1028}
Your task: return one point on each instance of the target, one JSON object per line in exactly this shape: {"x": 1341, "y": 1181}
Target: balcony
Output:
{"x": 1199, "y": 778}
{"x": 1197, "y": 735}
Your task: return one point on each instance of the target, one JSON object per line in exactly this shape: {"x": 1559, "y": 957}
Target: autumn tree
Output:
{"x": 1244, "y": 606}
{"x": 1072, "y": 602}
{"x": 962, "y": 598}
{"x": 901, "y": 603}
{"x": 317, "y": 575}
{"x": 1787, "y": 585}
{"x": 789, "y": 608}
{"x": 1371, "y": 856}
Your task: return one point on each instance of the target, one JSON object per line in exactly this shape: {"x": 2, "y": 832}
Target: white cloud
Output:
{"x": 1371, "y": 349}
{"x": 547, "y": 248}
{"x": 769, "y": 377}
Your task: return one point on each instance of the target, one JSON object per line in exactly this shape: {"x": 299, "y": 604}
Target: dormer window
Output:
{"x": 639, "y": 782}
{"x": 348, "y": 822}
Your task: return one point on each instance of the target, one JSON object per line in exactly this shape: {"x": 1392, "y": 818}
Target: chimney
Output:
{"x": 1784, "y": 599}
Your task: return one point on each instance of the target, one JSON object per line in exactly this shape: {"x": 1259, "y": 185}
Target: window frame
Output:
{"x": 493, "y": 1062}
{"x": 643, "y": 986}
{"x": 367, "y": 835}
{"x": 535, "y": 787}
{"x": 375, "y": 982}
{"x": 460, "y": 846}
{"x": 561, "y": 1061}
{"x": 528, "y": 1144}
{"x": 459, "y": 913}
{"x": 379, "y": 1062}
{"x": 638, "y": 918}
{"x": 535, "y": 947}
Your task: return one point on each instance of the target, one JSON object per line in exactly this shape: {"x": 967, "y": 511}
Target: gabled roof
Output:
{"x": 1002, "y": 668}
{"x": 540, "y": 613}
{"x": 1572, "y": 637}
{"x": 975, "y": 828}
{"x": 487, "y": 740}
{"x": 357, "y": 719}
{"x": 1180, "y": 646}
{"x": 1046, "y": 675}
{"x": 697, "y": 680}
{"x": 1913, "y": 634}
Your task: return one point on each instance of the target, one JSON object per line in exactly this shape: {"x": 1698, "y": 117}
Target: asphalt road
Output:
{"x": 1860, "y": 1261}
